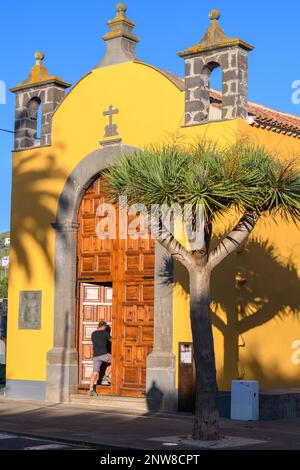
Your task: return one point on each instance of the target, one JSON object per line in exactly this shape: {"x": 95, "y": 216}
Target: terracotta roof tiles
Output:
{"x": 267, "y": 118}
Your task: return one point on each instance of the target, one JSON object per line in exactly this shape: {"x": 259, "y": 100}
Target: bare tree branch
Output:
{"x": 176, "y": 250}
{"x": 162, "y": 234}
{"x": 233, "y": 240}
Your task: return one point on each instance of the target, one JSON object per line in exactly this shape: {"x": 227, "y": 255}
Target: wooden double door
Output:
{"x": 115, "y": 284}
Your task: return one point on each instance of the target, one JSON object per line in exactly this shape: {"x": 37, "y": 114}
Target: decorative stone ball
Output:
{"x": 214, "y": 15}
{"x": 121, "y": 8}
{"x": 39, "y": 55}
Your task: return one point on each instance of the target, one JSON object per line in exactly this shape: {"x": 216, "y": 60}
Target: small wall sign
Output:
{"x": 186, "y": 353}
{"x": 30, "y": 303}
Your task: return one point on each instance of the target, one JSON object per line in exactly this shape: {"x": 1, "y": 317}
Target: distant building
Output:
{"x": 3, "y": 317}
{"x": 4, "y": 262}
{"x": 3, "y": 330}
{"x": 7, "y": 241}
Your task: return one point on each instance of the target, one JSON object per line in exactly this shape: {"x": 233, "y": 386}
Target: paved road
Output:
{"x": 9, "y": 441}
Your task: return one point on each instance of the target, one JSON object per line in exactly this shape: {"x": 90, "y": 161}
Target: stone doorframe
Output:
{"x": 62, "y": 359}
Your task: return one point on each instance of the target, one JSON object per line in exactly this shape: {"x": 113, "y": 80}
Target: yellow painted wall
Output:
{"x": 151, "y": 108}
{"x": 269, "y": 350}
{"x": 36, "y": 186}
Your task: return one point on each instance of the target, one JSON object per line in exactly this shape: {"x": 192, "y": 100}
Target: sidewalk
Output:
{"x": 129, "y": 430}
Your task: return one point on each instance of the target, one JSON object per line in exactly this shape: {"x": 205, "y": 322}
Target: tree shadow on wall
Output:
{"x": 270, "y": 379}
{"x": 250, "y": 287}
{"x": 32, "y": 208}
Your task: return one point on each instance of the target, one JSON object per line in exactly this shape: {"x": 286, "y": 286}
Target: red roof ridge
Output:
{"x": 267, "y": 108}
{"x": 271, "y": 118}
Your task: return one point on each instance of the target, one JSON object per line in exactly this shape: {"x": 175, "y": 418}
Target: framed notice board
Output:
{"x": 187, "y": 377}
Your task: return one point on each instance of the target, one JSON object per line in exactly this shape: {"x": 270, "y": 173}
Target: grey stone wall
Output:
{"x": 234, "y": 64}
{"x": 279, "y": 405}
{"x": 272, "y": 405}
{"x": 48, "y": 96}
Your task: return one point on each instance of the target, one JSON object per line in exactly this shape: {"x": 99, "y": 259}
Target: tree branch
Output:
{"x": 234, "y": 239}
{"x": 176, "y": 250}
{"x": 163, "y": 235}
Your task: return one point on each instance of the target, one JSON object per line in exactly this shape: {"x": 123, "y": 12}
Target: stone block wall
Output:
{"x": 274, "y": 406}
{"x": 48, "y": 96}
{"x": 234, "y": 64}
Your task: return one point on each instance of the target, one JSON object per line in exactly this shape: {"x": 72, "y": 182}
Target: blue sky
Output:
{"x": 69, "y": 32}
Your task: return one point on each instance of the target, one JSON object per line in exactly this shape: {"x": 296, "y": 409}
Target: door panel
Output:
{"x": 95, "y": 305}
{"x": 129, "y": 265}
{"x": 136, "y": 305}
{"x": 94, "y": 255}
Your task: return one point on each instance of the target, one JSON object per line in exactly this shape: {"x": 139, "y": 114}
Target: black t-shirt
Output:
{"x": 100, "y": 340}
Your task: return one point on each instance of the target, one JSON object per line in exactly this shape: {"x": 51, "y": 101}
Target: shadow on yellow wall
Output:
{"x": 36, "y": 179}
{"x": 250, "y": 288}
{"x": 271, "y": 381}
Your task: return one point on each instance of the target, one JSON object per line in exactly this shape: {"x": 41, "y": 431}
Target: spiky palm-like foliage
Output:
{"x": 245, "y": 177}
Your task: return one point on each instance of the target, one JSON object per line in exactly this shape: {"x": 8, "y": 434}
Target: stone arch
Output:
{"x": 34, "y": 107}
{"x": 62, "y": 359}
{"x": 205, "y": 74}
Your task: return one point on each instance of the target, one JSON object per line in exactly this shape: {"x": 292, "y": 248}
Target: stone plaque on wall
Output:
{"x": 30, "y": 310}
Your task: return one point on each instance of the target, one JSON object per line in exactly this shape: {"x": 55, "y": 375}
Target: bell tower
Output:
{"x": 120, "y": 40}
{"x": 216, "y": 50}
{"x": 39, "y": 91}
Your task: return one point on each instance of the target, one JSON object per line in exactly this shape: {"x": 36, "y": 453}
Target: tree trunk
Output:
{"x": 206, "y": 422}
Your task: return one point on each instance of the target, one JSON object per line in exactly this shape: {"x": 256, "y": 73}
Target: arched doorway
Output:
{"x": 115, "y": 283}
{"x": 62, "y": 358}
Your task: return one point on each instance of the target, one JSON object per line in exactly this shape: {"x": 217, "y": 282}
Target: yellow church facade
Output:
{"x": 57, "y": 268}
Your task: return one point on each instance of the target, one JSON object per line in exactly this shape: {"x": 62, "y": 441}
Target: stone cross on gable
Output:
{"x": 111, "y": 129}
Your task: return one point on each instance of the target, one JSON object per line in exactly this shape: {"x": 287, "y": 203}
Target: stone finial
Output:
{"x": 120, "y": 40}
{"x": 121, "y": 10}
{"x": 39, "y": 74}
{"x": 39, "y": 57}
{"x": 214, "y": 38}
{"x": 214, "y": 15}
